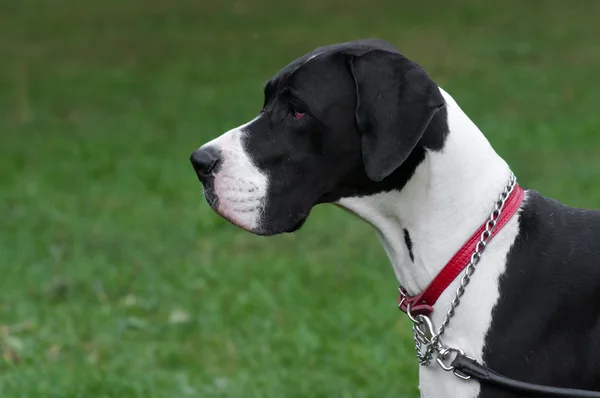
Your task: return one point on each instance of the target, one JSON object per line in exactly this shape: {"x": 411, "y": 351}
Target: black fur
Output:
{"x": 546, "y": 325}
{"x": 370, "y": 115}
{"x": 409, "y": 245}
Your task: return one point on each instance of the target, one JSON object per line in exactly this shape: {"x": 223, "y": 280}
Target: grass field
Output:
{"x": 116, "y": 280}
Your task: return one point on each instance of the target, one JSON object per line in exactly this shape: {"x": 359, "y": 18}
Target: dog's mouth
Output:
{"x": 244, "y": 213}
{"x": 237, "y": 211}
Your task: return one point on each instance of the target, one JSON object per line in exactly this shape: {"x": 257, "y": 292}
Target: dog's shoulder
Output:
{"x": 558, "y": 228}
{"x": 549, "y": 294}
{"x": 536, "y": 203}
{"x": 557, "y": 249}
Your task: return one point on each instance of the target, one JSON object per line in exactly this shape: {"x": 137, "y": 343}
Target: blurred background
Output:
{"x": 117, "y": 280}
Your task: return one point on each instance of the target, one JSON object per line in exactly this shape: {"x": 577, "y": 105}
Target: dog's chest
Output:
{"x": 470, "y": 324}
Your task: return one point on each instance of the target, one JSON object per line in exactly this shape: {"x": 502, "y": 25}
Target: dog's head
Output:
{"x": 345, "y": 120}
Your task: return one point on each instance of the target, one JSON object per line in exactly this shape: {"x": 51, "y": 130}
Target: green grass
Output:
{"x": 116, "y": 280}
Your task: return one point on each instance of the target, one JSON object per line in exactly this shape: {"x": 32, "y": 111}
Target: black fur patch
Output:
{"x": 546, "y": 325}
{"x": 409, "y": 245}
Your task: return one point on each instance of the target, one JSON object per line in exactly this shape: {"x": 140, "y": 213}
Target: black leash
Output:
{"x": 484, "y": 375}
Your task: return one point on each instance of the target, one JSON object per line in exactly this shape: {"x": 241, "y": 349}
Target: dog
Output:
{"x": 360, "y": 126}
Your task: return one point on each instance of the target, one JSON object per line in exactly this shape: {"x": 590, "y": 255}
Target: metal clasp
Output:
{"x": 445, "y": 354}
{"x": 423, "y": 328}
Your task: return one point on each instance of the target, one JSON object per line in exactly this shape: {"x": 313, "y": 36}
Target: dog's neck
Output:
{"x": 450, "y": 195}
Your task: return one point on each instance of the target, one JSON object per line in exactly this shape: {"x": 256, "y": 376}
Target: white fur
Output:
{"x": 239, "y": 185}
{"x": 448, "y": 198}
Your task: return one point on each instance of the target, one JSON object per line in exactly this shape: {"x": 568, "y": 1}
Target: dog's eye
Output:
{"x": 298, "y": 114}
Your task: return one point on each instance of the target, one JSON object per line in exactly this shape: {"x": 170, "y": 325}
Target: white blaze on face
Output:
{"x": 240, "y": 187}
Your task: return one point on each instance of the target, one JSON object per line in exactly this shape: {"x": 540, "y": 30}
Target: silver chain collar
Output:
{"x": 427, "y": 341}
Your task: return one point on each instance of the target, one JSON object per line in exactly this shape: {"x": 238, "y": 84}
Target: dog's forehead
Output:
{"x": 356, "y": 48}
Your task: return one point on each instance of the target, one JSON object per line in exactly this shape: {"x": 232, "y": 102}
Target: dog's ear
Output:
{"x": 396, "y": 100}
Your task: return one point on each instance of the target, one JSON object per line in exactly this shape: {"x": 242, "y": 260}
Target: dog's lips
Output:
{"x": 231, "y": 209}
{"x": 233, "y": 220}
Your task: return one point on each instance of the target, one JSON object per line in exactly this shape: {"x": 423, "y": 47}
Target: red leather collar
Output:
{"x": 422, "y": 304}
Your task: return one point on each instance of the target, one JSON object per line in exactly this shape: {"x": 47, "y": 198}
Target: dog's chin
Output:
{"x": 253, "y": 221}
{"x": 297, "y": 225}
{"x": 274, "y": 228}
{"x": 266, "y": 228}
{"x": 237, "y": 220}
{"x": 245, "y": 220}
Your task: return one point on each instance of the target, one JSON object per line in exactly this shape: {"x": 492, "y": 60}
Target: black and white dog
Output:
{"x": 361, "y": 126}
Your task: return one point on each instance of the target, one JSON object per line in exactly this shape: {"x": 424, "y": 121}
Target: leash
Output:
{"x": 483, "y": 374}
{"x": 418, "y": 308}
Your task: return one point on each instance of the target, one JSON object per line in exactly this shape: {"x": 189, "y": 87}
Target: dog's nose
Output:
{"x": 205, "y": 161}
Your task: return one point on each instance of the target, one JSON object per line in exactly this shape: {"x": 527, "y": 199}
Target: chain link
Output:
{"x": 424, "y": 333}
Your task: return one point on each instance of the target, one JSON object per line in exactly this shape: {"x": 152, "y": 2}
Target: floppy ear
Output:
{"x": 396, "y": 100}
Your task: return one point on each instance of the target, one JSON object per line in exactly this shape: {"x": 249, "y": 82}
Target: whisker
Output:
{"x": 262, "y": 208}
{"x": 211, "y": 200}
